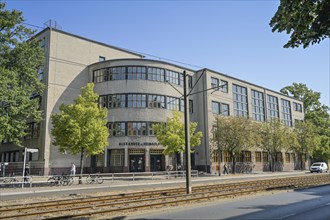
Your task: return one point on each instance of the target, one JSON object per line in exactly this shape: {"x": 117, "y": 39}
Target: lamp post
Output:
{"x": 187, "y": 131}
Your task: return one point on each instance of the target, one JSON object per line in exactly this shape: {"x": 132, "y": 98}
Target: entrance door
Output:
{"x": 156, "y": 163}
{"x": 136, "y": 163}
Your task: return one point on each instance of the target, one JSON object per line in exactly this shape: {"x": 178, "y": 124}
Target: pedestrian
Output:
{"x": 73, "y": 170}
{"x": 26, "y": 172}
{"x": 225, "y": 169}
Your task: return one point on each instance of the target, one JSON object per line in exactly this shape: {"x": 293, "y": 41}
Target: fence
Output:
{"x": 39, "y": 181}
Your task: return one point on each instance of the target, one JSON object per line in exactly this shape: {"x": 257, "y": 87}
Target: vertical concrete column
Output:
{"x": 147, "y": 159}
{"x": 126, "y": 159}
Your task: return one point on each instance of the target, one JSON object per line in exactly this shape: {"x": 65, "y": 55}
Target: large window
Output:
{"x": 100, "y": 75}
{"x": 116, "y": 101}
{"x": 117, "y": 129}
{"x": 117, "y": 73}
{"x": 156, "y": 74}
{"x": 136, "y": 128}
{"x": 151, "y": 131}
{"x": 286, "y": 112}
{"x": 220, "y": 108}
{"x": 117, "y": 157}
{"x": 136, "y": 72}
{"x": 136, "y": 101}
{"x": 156, "y": 101}
{"x": 173, "y": 77}
{"x": 258, "y": 113}
{"x": 173, "y": 103}
{"x": 240, "y": 101}
{"x": 265, "y": 157}
{"x": 258, "y": 156}
{"x": 272, "y": 107}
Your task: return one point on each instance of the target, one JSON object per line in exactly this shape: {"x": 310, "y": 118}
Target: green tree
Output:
{"x": 234, "y": 134}
{"x": 315, "y": 113}
{"x": 308, "y": 21}
{"x": 20, "y": 59}
{"x": 306, "y": 140}
{"x": 81, "y": 127}
{"x": 172, "y": 134}
{"x": 274, "y": 137}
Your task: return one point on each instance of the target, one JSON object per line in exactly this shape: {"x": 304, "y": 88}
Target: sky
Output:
{"x": 230, "y": 37}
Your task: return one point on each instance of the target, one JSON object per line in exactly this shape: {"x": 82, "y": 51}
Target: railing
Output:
{"x": 38, "y": 181}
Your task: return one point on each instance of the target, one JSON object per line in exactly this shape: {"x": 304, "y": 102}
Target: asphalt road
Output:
{"x": 306, "y": 204}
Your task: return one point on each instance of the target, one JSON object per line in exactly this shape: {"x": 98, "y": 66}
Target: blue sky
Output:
{"x": 231, "y": 37}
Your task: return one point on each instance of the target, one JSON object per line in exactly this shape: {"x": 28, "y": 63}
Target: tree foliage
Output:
{"x": 234, "y": 134}
{"x": 308, "y": 21}
{"x": 81, "y": 127}
{"x": 20, "y": 59}
{"x": 172, "y": 134}
{"x": 274, "y": 137}
{"x": 315, "y": 113}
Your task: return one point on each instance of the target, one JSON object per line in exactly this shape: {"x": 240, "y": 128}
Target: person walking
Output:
{"x": 225, "y": 169}
{"x": 73, "y": 170}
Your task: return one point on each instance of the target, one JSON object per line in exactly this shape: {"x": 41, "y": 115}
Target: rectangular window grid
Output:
{"x": 240, "y": 101}
{"x": 258, "y": 108}
{"x": 286, "y": 112}
{"x": 272, "y": 107}
{"x": 117, "y": 157}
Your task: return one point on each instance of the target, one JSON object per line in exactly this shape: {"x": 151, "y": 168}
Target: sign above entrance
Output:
{"x": 139, "y": 143}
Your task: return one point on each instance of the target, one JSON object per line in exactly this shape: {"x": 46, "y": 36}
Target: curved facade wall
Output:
{"x": 137, "y": 95}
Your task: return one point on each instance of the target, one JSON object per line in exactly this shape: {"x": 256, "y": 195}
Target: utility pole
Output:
{"x": 219, "y": 150}
{"x": 187, "y": 135}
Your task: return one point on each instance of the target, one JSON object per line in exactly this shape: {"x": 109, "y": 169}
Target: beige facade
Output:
{"x": 73, "y": 61}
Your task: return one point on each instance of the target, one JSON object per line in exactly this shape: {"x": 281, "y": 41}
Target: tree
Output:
{"x": 172, "y": 134}
{"x": 20, "y": 59}
{"x": 81, "y": 127}
{"x": 308, "y": 21}
{"x": 315, "y": 113}
{"x": 234, "y": 134}
{"x": 274, "y": 137}
{"x": 306, "y": 140}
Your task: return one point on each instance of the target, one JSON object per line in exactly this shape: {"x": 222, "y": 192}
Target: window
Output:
{"x": 173, "y": 77}
{"x": 100, "y": 75}
{"x": 116, "y": 101}
{"x": 117, "y": 129}
{"x": 258, "y": 105}
{"x": 189, "y": 81}
{"x": 214, "y": 83}
{"x": 265, "y": 157}
{"x": 156, "y": 101}
{"x": 101, "y": 58}
{"x": 172, "y": 103}
{"x": 287, "y": 157}
{"x": 258, "y": 156}
{"x": 272, "y": 107}
{"x": 247, "y": 156}
{"x": 286, "y": 112}
{"x": 117, "y": 157}
{"x": 215, "y": 156}
{"x": 136, "y": 72}
{"x": 224, "y": 86}
{"x": 156, "y": 74}
{"x": 293, "y": 157}
{"x": 279, "y": 157}
{"x": 136, "y": 128}
{"x": 136, "y": 101}
{"x": 227, "y": 157}
{"x": 117, "y": 73}
{"x": 220, "y": 108}
{"x": 297, "y": 107}
{"x": 151, "y": 131}
{"x": 240, "y": 101}
{"x": 103, "y": 101}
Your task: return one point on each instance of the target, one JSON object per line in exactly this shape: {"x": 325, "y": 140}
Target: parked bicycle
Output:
{"x": 63, "y": 180}
{"x": 94, "y": 178}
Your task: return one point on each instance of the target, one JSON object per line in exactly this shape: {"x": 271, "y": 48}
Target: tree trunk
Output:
{"x": 81, "y": 165}
{"x": 234, "y": 163}
{"x": 301, "y": 162}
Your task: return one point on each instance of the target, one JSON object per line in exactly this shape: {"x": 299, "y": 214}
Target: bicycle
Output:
{"x": 94, "y": 179}
{"x": 60, "y": 180}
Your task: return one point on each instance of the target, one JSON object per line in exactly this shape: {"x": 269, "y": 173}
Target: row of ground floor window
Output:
{"x": 152, "y": 160}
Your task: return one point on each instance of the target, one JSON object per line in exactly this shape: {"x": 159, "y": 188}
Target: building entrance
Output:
{"x": 136, "y": 163}
{"x": 156, "y": 163}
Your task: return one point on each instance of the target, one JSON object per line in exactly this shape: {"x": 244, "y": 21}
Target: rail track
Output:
{"x": 110, "y": 205}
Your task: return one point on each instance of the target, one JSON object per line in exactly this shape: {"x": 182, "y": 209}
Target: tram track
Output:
{"x": 112, "y": 204}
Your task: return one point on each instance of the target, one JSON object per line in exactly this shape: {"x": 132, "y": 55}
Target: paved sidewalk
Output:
{"x": 145, "y": 182}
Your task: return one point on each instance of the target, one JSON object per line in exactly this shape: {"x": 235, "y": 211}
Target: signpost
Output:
{"x": 31, "y": 150}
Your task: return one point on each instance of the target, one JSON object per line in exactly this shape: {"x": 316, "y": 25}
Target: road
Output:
{"x": 309, "y": 204}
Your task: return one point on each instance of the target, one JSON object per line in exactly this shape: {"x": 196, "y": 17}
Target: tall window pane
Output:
{"x": 258, "y": 109}
{"x": 240, "y": 101}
